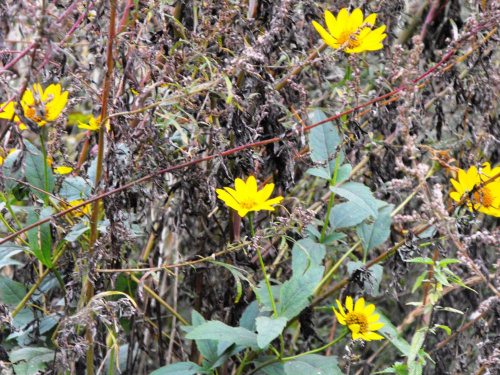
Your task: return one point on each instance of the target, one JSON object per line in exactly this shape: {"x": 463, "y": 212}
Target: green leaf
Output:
{"x": 11, "y": 292}
{"x": 268, "y": 329}
{"x": 360, "y": 195}
{"x": 414, "y": 365}
{"x": 375, "y": 234}
{"x": 398, "y": 368}
{"x": 295, "y": 293}
{"x": 419, "y": 281}
{"x": 323, "y": 141}
{"x": 446, "y": 328}
{"x": 421, "y": 260}
{"x": 29, "y": 361}
{"x": 214, "y": 330}
{"x": 332, "y": 237}
{"x": 35, "y": 170}
{"x": 343, "y": 173}
{"x": 76, "y": 232}
{"x": 313, "y": 364}
{"x": 39, "y": 238}
{"x": 9, "y": 249}
{"x": 306, "y": 254}
{"x": 346, "y": 215}
{"x": 183, "y": 368}
{"x": 11, "y": 168}
{"x": 74, "y": 188}
{"x": 207, "y": 348}
{"x": 263, "y": 295}
{"x": 277, "y": 368}
{"x": 390, "y": 332}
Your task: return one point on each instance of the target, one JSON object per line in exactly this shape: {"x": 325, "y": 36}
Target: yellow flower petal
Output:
{"x": 63, "y": 170}
{"x": 374, "y": 336}
{"x": 343, "y": 19}
{"x": 360, "y": 304}
{"x": 373, "y": 318}
{"x": 324, "y": 34}
{"x": 331, "y": 23}
{"x": 228, "y": 199}
{"x": 340, "y": 318}
{"x": 376, "y": 326}
{"x": 356, "y": 19}
{"x": 369, "y": 309}
{"x": 348, "y": 303}
{"x": 341, "y": 309}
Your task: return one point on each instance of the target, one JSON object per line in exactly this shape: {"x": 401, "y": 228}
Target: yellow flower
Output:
{"x": 360, "y": 319}
{"x": 63, "y": 170}
{"x": 38, "y": 105}
{"x": 92, "y": 125}
{"x": 351, "y": 33}
{"x": 485, "y": 199}
{"x": 245, "y": 197}
{"x": 82, "y": 210}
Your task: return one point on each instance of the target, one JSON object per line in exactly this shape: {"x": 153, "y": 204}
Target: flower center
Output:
{"x": 484, "y": 197}
{"x": 348, "y": 39}
{"x": 248, "y": 204}
{"x": 355, "y": 317}
{"x": 30, "y": 112}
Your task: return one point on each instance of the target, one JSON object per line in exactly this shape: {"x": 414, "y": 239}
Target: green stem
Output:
{"x": 7, "y": 204}
{"x": 319, "y": 349}
{"x": 335, "y": 267}
{"x": 243, "y": 362}
{"x": 333, "y": 181}
{"x": 250, "y": 219}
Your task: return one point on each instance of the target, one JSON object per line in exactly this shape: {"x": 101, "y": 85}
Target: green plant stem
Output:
{"x": 7, "y": 204}
{"x": 335, "y": 267}
{"x": 333, "y": 181}
{"x": 250, "y": 219}
{"x": 346, "y": 331}
{"x": 243, "y": 362}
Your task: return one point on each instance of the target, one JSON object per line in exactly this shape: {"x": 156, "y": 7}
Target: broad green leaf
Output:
{"x": 268, "y": 329}
{"x": 346, "y": 215}
{"x": 390, "y": 332}
{"x": 358, "y": 194}
{"x": 295, "y": 293}
{"x": 74, "y": 188}
{"x": 313, "y": 364}
{"x": 319, "y": 172}
{"x": 343, "y": 173}
{"x": 306, "y": 254}
{"x": 29, "y": 361}
{"x": 419, "y": 281}
{"x": 11, "y": 292}
{"x": 323, "y": 141}
{"x": 398, "y": 368}
{"x": 36, "y": 167}
{"x": 9, "y": 249}
{"x": 11, "y": 167}
{"x": 207, "y": 348}
{"x": 332, "y": 237}
{"x": 375, "y": 234}
{"x": 277, "y": 368}
{"x": 183, "y": 368}
{"x": 214, "y": 330}
{"x": 263, "y": 295}
{"x": 40, "y": 239}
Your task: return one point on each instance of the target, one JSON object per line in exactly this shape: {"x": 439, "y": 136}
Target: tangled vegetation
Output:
{"x": 269, "y": 187}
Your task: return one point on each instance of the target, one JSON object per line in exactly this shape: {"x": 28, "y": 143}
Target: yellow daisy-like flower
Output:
{"x": 360, "y": 319}
{"x": 351, "y": 33}
{"x": 485, "y": 199}
{"x": 246, "y": 197}
{"x": 63, "y": 170}
{"x": 38, "y": 105}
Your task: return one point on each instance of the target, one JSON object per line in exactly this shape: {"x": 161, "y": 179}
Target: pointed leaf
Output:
{"x": 313, "y": 364}
{"x": 306, "y": 254}
{"x": 375, "y": 234}
{"x": 36, "y": 167}
{"x": 214, "y": 330}
{"x": 358, "y": 194}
